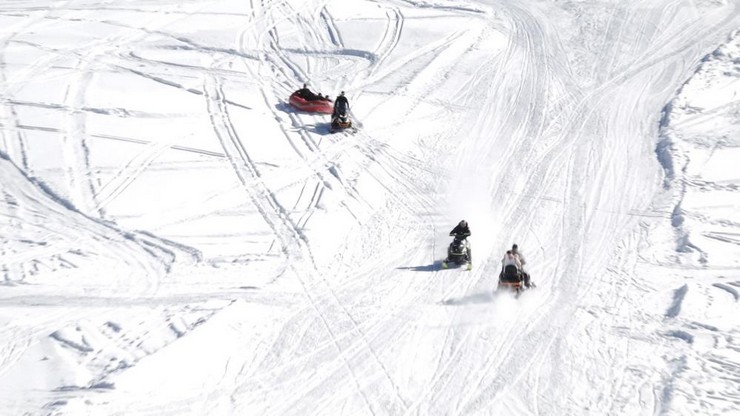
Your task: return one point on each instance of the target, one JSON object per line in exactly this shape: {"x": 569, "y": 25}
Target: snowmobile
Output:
{"x": 511, "y": 279}
{"x": 340, "y": 120}
{"x": 458, "y": 253}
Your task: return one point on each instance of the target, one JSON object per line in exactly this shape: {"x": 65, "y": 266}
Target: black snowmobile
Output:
{"x": 458, "y": 253}
{"x": 340, "y": 119}
{"x": 512, "y": 279}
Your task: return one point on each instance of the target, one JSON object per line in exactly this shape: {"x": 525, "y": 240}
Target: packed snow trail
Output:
{"x": 296, "y": 272}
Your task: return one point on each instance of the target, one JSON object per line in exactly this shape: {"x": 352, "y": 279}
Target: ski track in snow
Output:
{"x": 542, "y": 115}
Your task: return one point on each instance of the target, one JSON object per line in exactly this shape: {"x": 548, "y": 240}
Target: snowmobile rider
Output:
{"x": 518, "y": 254}
{"x": 341, "y": 105}
{"x": 510, "y": 259}
{"x": 515, "y": 251}
{"x": 461, "y": 230}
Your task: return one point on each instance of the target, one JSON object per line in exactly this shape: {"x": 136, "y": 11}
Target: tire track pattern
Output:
{"x": 294, "y": 244}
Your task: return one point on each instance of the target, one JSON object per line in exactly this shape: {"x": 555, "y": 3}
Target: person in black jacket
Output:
{"x": 461, "y": 229}
{"x": 307, "y": 94}
{"x": 460, "y": 232}
{"x": 304, "y": 92}
{"x": 341, "y": 105}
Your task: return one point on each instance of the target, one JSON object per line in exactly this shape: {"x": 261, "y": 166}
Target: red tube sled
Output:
{"x": 319, "y": 105}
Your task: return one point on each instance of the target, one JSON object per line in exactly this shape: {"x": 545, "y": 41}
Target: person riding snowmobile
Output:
{"x": 461, "y": 229}
{"x": 341, "y": 105}
{"x": 510, "y": 259}
{"x": 518, "y": 254}
{"x": 340, "y": 119}
{"x": 511, "y": 269}
{"x": 460, "y": 233}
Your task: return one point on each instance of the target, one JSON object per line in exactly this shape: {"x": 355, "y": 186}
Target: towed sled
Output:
{"x": 313, "y": 104}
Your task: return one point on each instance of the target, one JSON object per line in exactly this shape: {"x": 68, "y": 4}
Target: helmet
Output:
{"x": 463, "y": 223}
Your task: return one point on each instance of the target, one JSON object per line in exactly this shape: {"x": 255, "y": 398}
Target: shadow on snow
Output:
{"x": 482, "y": 297}
{"x": 320, "y": 128}
{"x": 437, "y": 265}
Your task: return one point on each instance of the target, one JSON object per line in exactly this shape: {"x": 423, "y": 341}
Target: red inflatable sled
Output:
{"x": 312, "y": 106}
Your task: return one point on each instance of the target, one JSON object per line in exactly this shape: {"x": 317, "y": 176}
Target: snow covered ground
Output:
{"x": 177, "y": 240}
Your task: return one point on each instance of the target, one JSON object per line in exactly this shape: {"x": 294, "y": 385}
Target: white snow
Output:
{"x": 177, "y": 240}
